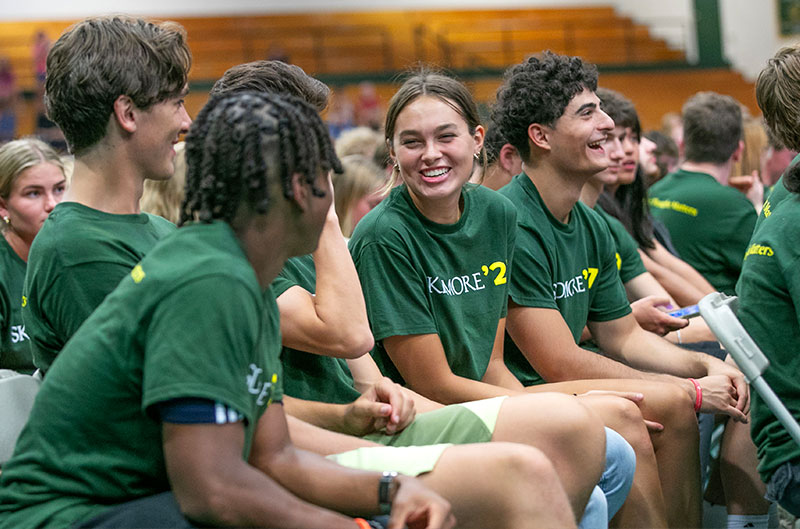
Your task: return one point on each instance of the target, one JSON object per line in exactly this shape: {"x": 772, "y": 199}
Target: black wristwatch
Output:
{"x": 386, "y": 489}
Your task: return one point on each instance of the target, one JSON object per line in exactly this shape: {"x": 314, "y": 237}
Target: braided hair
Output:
{"x": 241, "y": 143}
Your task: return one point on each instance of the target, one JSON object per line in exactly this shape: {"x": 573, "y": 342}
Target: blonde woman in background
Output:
{"x": 746, "y": 171}
{"x": 32, "y": 182}
{"x": 164, "y": 197}
{"x": 357, "y": 190}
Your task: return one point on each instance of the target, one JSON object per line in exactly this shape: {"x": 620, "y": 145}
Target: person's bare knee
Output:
{"x": 558, "y": 424}
{"x": 502, "y": 485}
{"x": 624, "y": 417}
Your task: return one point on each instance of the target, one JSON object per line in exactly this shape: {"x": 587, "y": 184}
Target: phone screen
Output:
{"x": 686, "y": 312}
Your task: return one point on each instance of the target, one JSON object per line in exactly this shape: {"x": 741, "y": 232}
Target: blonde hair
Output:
{"x": 360, "y": 178}
{"x": 18, "y": 155}
{"x": 164, "y": 197}
{"x": 360, "y": 140}
{"x": 755, "y": 143}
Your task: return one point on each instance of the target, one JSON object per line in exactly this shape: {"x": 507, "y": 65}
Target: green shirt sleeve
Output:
{"x": 185, "y": 359}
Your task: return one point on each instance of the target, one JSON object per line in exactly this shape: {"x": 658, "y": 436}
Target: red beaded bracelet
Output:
{"x": 698, "y": 392}
{"x": 362, "y": 523}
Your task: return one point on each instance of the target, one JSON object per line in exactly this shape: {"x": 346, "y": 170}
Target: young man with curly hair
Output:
{"x": 565, "y": 277}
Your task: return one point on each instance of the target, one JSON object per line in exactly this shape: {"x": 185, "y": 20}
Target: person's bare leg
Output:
{"x": 566, "y": 431}
{"x": 644, "y": 506}
{"x": 744, "y": 490}
{"x": 676, "y": 447}
{"x": 502, "y": 486}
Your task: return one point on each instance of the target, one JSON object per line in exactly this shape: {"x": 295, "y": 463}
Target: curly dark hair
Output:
{"x": 537, "y": 91}
{"x": 241, "y": 144}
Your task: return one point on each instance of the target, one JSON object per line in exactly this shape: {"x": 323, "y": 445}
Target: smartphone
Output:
{"x": 686, "y": 312}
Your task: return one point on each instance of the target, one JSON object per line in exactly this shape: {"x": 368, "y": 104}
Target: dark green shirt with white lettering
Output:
{"x": 420, "y": 277}
{"x": 709, "y": 223}
{"x": 189, "y": 321}
{"x": 571, "y": 268}
{"x": 769, "y": 297}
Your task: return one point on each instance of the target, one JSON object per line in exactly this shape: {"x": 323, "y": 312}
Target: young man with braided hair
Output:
{"x": 182, "y": 359}
{"x": 565, "y": 276}
{"x": 115, "y": 86}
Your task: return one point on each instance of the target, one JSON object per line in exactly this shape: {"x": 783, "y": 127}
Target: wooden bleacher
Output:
{"x": 378, "y": 44}
{"x": 369, "y": 42}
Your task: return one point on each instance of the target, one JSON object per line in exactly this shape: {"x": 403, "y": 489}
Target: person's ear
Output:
{"x": 300, "y": 191}
{"x": 737, "y": 154}
{"x": 124, "y": 112}
{"x": 392, "y": 154}
{"x": 539, "y": 135}
{"x": 478, "y": 136}
{"x": 509, "y": 159}
{"x": 3, "y": 209}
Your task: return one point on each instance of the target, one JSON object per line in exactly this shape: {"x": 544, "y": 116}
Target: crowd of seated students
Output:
{"x": 481, "y": 341}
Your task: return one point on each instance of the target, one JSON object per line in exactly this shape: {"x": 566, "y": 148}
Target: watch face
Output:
{"x": 386, "y": 490}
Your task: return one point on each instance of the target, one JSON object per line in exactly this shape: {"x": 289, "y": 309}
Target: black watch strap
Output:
{"x": 385, "y": 492}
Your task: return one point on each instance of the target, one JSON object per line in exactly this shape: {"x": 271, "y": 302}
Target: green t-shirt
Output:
{"x": 709, "y": 223}
{"x": 629, "y": 262}
{"x": 306, "y": 375}
{"x": 569, "y": 267}
{"x": 769, "y": 297}
{"x": 189, "y": 321}
{"x": 78, "y": 257}
{"x": 420, "y": 277}
{"x": 16, "y": 352}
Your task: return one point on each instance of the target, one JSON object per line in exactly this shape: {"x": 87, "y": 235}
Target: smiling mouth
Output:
{"x": 433, "y": 176}
{"x": 597, "y": 145}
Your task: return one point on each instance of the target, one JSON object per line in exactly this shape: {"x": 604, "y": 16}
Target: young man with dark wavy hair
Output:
{"x": 115, "y": 86}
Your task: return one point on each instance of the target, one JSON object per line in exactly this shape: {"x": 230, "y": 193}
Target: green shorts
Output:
{"x": 469, "y": 422}
{"x": 409, "y": 460}
{"x": 419, "y": 446}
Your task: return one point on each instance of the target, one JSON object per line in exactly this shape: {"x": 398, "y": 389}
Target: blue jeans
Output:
{"x": 614, "y": 485}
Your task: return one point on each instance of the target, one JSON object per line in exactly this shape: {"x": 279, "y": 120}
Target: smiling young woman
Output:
{"x": 32, "y": 182}
{"x": 434, "y": 260}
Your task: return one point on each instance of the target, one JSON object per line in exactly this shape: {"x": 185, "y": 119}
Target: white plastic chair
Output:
{"x": 17, "y": 392}
{"x": 719, "y": 312}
